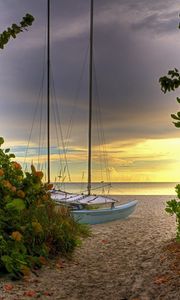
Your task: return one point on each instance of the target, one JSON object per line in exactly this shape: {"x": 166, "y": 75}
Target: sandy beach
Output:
{"x": 122, "y": 260}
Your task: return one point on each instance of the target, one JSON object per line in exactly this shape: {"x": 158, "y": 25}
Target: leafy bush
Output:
{"x": 32, "y": 228}
{"x": 173, "y": 207}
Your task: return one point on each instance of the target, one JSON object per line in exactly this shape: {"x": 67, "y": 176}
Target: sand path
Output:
{"x": 121, "y": 260}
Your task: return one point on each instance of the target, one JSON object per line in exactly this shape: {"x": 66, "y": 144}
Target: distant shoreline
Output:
{"x": 122, "y": 188}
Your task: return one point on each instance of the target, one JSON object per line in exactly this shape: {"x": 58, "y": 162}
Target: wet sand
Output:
{"x": 122, "y": 260}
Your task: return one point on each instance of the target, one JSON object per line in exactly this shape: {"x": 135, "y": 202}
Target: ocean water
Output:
{"x": 123, "y": 188}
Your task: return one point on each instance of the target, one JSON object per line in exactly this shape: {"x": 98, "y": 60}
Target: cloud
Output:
{"x": 157, "y": 23}
{"x": 134, "y": 44}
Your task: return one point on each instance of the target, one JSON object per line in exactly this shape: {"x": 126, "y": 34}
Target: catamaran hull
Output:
{"x": 98, "y": 216}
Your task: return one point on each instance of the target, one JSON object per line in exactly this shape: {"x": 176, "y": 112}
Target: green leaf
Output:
{"x": 7, "y": 150}
{"x": 178, "y": 99}
{"x": 177, "y": 124}
{"x": 8, "y": 262}
{"x": 17, "y": 204}
{"x": 175, "y": 117}
{"x": 12, "y": 155}
{"x": 1, "y": 141}
{"x": 169, "y": 210}
{"x": 13, "y": 34}
{"x": 16, "y": 28}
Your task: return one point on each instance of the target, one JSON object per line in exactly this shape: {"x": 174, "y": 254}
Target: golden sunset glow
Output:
{"x": 153, "y": 160}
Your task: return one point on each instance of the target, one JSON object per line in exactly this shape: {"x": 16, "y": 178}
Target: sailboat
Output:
{"x": 78, "y": 202}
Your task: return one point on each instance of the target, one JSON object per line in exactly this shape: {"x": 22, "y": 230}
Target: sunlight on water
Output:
{"x": 124, "y": 188}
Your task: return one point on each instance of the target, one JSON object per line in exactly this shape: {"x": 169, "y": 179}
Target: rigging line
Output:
{"x": 34, "y": 117}
{"x": 43, "y": 145}
{"x": 69, "y": 130}
{"x": 82, "y": 179}
{"x": 101, "y": 151}
{"x": 105, "y": 157}
{"x": 56, "y": 127}
{"x": 57, "y": 136}
{"x": 97, "y": 188}
{"x": 101, "y": 125}
{"x": 36, "y": 107}
{"x": 60, "y": 128}
{"x": 97, "y": 116}
{"x": 74, "y": 105}
{"x": 40, "y": 133}
{"x": 31, "y": 130}
{"x": 54, "y": 106}
{"x": 99, "y": 141}
{"x": 43, "y": 140}
{"x": 57, "y": 121}
{"x": 103, "y": 144}
{"x": 58, "y": 142}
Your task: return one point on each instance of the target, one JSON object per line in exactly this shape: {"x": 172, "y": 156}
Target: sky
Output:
{"x": 135, "y": 43}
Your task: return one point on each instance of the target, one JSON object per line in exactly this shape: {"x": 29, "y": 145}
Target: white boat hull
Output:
{"x": 98, "y": 216}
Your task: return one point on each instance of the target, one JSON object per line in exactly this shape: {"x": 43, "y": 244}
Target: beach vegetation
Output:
{"x": 15, "y": 29}
{"x": 171, "y": 82}
{"x": 32, "y": 228}
{"x": 173, "y": 208}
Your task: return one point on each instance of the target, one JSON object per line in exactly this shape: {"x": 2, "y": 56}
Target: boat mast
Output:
{"x": 90, "y": 98}
{"x": 48, "y": 90}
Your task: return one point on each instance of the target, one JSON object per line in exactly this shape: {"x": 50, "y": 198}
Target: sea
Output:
{"x": 122, "y": 188}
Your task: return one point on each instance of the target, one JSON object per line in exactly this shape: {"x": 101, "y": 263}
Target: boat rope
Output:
{"x": 97, "y": 188}
{"x": 72, "y": 116}
{"x": 40, "y": 134}
{"x": 39, "y": 97}
{"x": 58, "y": 128}
{"x": 82, "y": 180}
{"x": 38, "y": 115}
{"x": 100, "y": 129}
{"x": 74, "y": 105}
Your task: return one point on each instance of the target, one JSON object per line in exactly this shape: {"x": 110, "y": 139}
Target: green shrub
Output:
{"x": 173, "y": 207}
{"x": 32, "y": 228}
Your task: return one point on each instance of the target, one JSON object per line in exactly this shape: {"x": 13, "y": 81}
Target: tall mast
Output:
{"x": 90, "y": 97}
{"x": 48, "y": 90}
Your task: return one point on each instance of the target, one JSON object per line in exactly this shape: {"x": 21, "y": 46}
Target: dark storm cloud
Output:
{"x": 128, "y": 64}
{"x": 158, "y": 23}
{"x": 141, "y": 5}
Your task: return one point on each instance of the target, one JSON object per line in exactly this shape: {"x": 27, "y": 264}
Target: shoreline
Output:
{"x": 121, "y": 260}
{"x": 124, "y": 188}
